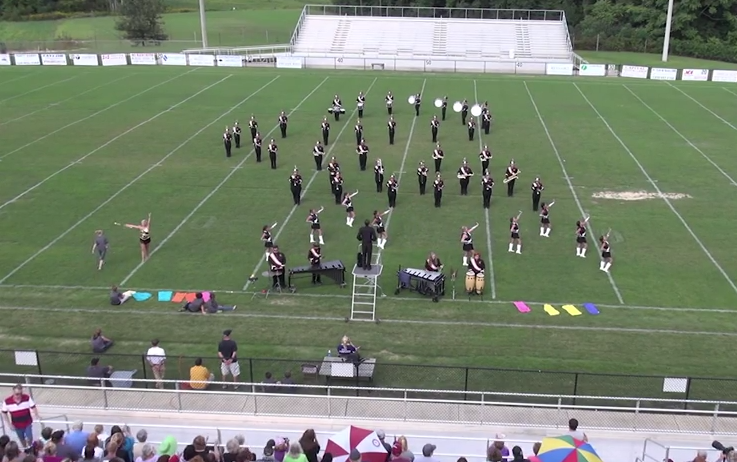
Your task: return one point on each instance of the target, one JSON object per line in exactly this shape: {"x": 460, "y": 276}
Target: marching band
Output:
{"x": 464, "y": 175}
{"x": 422, "y": 177}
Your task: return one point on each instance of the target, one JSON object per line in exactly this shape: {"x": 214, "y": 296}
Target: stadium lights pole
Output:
{"x": 203, "y": 23}
{"x": 668, "y": 23}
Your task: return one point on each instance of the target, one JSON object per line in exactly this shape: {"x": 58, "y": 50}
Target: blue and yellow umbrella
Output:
{"x": 567, "y": 449}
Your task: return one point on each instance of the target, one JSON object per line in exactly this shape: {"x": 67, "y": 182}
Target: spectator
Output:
{"x": 427, "y": 454}
{"x": 310, "y": 445}
{"x": 462, "y": 459}
{"x": 228, "y": 354}
{"x": 347, "y": 350}
{"x": 77, "y": 438}
{"x": 117, "y": 297}
{"x": 98, "y": 374}
{"x": 62, "y": 449}
{"x": 354, "y": 456}
{"x": 268, "y": 385}
{"x": 535, "y": 450}
{"x": 517, "y": 455}
{"x": 575, "y": 432}
{"x": 88, "y": 454}
{"x": 125, "y": 442}
{"x": 148, "y": 453}
{"x": 198, "y": 447}
{"x": 168, "y": 447}
{"x": 406, "y": 453}
{"x": 268, "y": 455}
{"x": 287, "y": 383}
{"x": 700, "y": 456}
{"x": 281, "y": 446}
{"x": 195, "y": 306}
{"x": 295, "y": 454}
{"x": 115, "y": 449}
{"x": 99, "y": 431}
{"x": 93, "y": 445}
{"x": 494, "y": 454}
{"x": 13, "y": 453}
{"x": 212, "y": 306}
{"x": 245, "y": 455}
{"x": 100, "y": 343}
{"x": 382, "y": 437}
{"x": 30, "y": 458}
{"x": 4, "y": 440}
{"x": 499, "y": 444}
{"x": 141, "y": 438}
{"x": 396, "y": 455}
{"x": 17, "y": 409}
{"x": 327, "y": 457}
{"x": 156, "y": 358}
{"x": 49, "y": 453}
{"x": 199, "y": 377}
{"x": 232, "y": 448}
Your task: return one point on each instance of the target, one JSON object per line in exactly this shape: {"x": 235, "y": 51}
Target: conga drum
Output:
{"x": 470, "y": 281}
{"x": 480, "y": 283}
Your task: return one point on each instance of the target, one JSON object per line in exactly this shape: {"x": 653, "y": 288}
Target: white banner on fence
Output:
{"x": 289, "y": 62}
{"x": 27, "y": 59}
{"x": 724, "y": 76}
{"x": 695, "y": 75}
{"x": 229, "y": 61}
{"x": 201, "y": 60}
{"x": 635, "y": 72}
{"x": 559, "y": 69}
{"x": 117, "y": 59}
{"x": 144, "y": 59}
{"x": 4, "y": 60}
{"x": 54, "y": 59}
{"x": 592, "y": 70}
{"x": 85, "y": 60}
{"x": 173, "y": 59}
{"x": 661, "y": 73}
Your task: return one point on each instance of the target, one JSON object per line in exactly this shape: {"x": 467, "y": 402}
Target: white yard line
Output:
{"x": 132, "y": 182}
{"x": 702, "y": 106}
{"x": 283, "y": 224}
{"x": 729, "y": 91}
{"x": 95, "y": 114}
{"x": 660, "y": 193}
{"x": 214, "y": 191}
{"x": 25, "y": 76}
{"x": 37, "y": 89}
{"x": 492, "y": 279}
{"x": 54, "y": 104}
{"x": 731, "y": 180}
{"x": 570, "y": 186}
{"x": 145, "y": 122}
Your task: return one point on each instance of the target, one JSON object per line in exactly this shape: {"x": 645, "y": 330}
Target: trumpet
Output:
{"x": 438, "y": 103}
{"x": 510, "y": 178}
{"x": 457, "y": 106}
{"x": 411, "y": 99}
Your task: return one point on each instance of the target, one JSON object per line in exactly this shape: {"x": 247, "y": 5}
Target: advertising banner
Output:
{"x": 289, "y": 62}
{"x": 27, "y": 59}
{"x": 173, "y": 59}
{"x": 592, "y": 70}
{"x": 202, "y": 60}
{"x": 85, "y": 60}
{"x": 695, "y": 75}
{"x": 54, "y": 59}
{"x": 724, "y": 76}
{"x": 229, "y": 60}
{"x": 635, "y": 72}
{"x": 559, "y": 69}
{"x": 660, "y": 73}
{"x": 4, "y": 60}
{"x": 117, "y": 59}
{"x": 143, "y": 59}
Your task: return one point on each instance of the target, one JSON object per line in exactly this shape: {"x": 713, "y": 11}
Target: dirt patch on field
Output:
{"x": 638, "y": 195}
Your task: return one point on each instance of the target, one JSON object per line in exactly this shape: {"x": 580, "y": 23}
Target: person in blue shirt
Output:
{"x": 77, "y": 438}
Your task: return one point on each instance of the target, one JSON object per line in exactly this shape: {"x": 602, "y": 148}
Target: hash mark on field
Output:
{"x": 307, "y": 187}
{"x": 702, "y": 106}
{"x": 570, "y": 184}
{"x": 657, "y": 189}
{"x": 38, "y": 89}
{"x": 217, "y": 188}
{"x": 124, "y": 188}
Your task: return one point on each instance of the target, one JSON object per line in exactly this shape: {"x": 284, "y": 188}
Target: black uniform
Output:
{"x": 471, "y": 129}
{"x": 283, "y": 121}
{"x": 227, "y": 142}
{"x": 422, "y": 178}
{"x": 277, "y": 264}
{"x": 273, "y": 150}
{"x": 362, "y": 150}
{"x": 437, "y": 156}
{"x": 237, "y": 136}
{"x": 358, "y": 129}
{"x": 389, "y": 103}
{"x": 485, "y": 157}
{"x": 267, "y": 239}
{"x": 325, "y": 127}
{"x": 379, "y": 177}
{"x": 437, "y": 187}
{"x": 391, "y": 192}
{"x": 434, "y": 125}
{"x": 486, "y": 121}
{"x": 464, "y": 113}
{"x": 295, "y": 185}
{"x": 367, "y": 236}
{"x": 360, "y": 101}
{"x": 476, "y": 265}
{"x": 511, "y": 171}
{"x": 466, "y": 241}
{"x": 318, "y": 153}
{"x": 392, "y": 126}
{"x": 257, "y": 142}
{"x": 337, "y": 105}
{"x": 487, "y": 185}
{"x": 581, "y": 234}
{"x": 314, "y": 256}
{"x": 537, "y": 192}
{"x": 606, "y": 250}
{"x": 333, "y": 169}
{"x": 545, "y": 216}
{"x": 337, "y": 185}
{"x": 418, "y": 102}
{"x": 464, "y": 175}
{"x": 253, "y": 125}
{"x": 444, "y": 107}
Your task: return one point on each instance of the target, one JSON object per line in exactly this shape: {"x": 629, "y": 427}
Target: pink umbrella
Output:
{"x": 364, "y": 441}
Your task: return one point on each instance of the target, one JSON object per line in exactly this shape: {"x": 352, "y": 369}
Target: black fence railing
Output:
{"x": 425, "y": 381}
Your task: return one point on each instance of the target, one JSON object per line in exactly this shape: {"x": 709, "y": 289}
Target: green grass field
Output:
{"x": 83, "y": 148}
{"x": 652, "y": 60}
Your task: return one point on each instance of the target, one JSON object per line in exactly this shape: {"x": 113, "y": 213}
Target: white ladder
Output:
{"x": 365, "y": 286}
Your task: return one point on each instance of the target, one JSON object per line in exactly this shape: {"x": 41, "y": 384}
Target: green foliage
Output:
{"x": 141, "y": 21}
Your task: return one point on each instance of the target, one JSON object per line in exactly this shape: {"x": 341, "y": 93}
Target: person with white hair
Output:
{"x": 148, "y": 453}
{"x": 232, "y": 447}
{"x": 77, "y": 438}
{"x": 295, "y": 454}
{"x": 141, "y": 438}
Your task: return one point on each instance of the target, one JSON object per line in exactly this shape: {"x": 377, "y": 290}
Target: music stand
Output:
{"x": 269, "y": 275}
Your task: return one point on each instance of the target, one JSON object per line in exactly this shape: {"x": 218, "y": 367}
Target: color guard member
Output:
{"x": 487, "y": 188}
{"x": 283, "y": 122}
{"x": 389, "y": 99}
{"x": 437, "y": 187}
{"x": 434, "y": 126}
{"x": 606, "y": 254}
{"x": 464, "y": 176}
{"x": 362, "y": 150}
{"x": 422, "y": 177}
{"x": 318, "y": 154}
{"x": 581, "y": 243}
{"x": 378, "y": 222}
{"x": 545, "y": 219}
{"x": 227, "y": 141}
{"x": 360, "y": 101}
{"x": 268, "y": 239}
{"x": 295, "y": 185}
{"x": 313, "y": 218}
{"x": 537, "y": 193}
{"x": 325, "y": 128}
{"x": 349, "y": 211}
{"x": 379, "y": 176}
{"x": 273, "y": 150}
{"x": 467, "y": 242}
{"x": 514, "y": 239}
{"x": 485, "y": 157}
{"x": 144, "y": 238}
{"x": 392, "y": 126}
{"x": 314, "y": 256}
{"x": 257, "y": 142}
{"x": 437, "y": 156}
{"x": 237, "y": 135}
{"x": 391, "y": 190}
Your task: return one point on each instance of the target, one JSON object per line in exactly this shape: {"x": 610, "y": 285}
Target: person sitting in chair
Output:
{"x": 348, "y": 351}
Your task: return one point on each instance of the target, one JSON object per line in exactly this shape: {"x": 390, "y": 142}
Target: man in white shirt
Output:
{"x": 575, "y": 432}
{"x": 156, "y": 358}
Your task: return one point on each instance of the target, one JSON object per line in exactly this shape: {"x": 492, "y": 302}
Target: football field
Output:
{"x": 651, "y": 161}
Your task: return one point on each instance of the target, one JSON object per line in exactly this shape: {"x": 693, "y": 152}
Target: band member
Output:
{"x": 476, "y": 264}
{"x": 392, "y": 126}
{"x": 471, "y": 128}
{"x": 487, "y": 187}
{"x": 144, "y": 238}
{"x": 485, "y": 108}
{"x": 391, "y": 191}
{"x": 434, "y": 126}
{"x": 333, "y": 169}
{"x": 486, "y": 121}
{"x": 318, "y": 154}
{"x": 337, "y": 186}
{"x": 362, "y": 150}
{"x": 325, "y": 128}
{"x": 422, "y": 177}
{"x": 467, "y": 242}
{"x": 273, "y": 150}
{"x": 511, "y": 174}
{"x": 418, "y": 102}
{"x": 379, "y": 175}
{"x": 464, "y": 175}
{"x": 360, "y": 101}
{"x": 100, "y": 247}
{"x": 606, "y": 253}
{"x": 378, "y": 222}
{"x": 464, "y": 111}
{"x": 253, "y": 126}
{"x": 347, "y": 202}
{"x": 257, "y": 142}
{"x": 278, "y": 267}
{"x": 283, "y": 121}
{"x": 581, "y": 243}
{"x": 314, "y": 256}
{"x": 237, "y": 135}
{"x": 227, "y": 141}
{"x": 267, "y": 238}
{"x": 545, "y": 219}
{"x": 389, "y": 98}
{"x": 367, "y": 235}
{"x": 537, "y": 193}
{"x": 444, "y": 107}
{"x": 485, "y": 157}
{"x": 437, "y": 187}
{"x": 295, "y": 185}
{"x": 313, "y": 218}
{"x": 433, "y": 263}
{"x": 358, "y": 130}
{"x": 514, "y": 239}
{"x": 437, "y": 156}
{"x": 337, "y": 106}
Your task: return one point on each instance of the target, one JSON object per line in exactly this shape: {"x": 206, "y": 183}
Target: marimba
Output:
{"x": 430, "y": 283}
{"x": 334, "y": 270}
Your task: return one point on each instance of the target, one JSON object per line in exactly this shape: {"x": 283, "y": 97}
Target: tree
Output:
{"x": 141, "y": 21}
